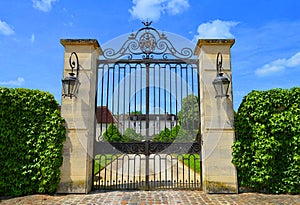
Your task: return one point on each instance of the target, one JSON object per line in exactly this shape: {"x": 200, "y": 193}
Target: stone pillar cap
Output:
{"x": 202, "y": 42}
{"x": 94, "y": 42}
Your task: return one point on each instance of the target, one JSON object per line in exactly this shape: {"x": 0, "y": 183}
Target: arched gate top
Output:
{"x": 148, "y": 43}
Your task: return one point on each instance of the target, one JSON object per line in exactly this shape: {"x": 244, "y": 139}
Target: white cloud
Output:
{"x": 6, "y": 29}
{"x": 216, "y": 29}
{"x": 17, "y": 82}
{"x": 32, "y": 38}
{"x": 153, "y": 9}
{"x": 43, "y": 5}
{"x": 177, "y": 6}
{"x": 279, "y": 65}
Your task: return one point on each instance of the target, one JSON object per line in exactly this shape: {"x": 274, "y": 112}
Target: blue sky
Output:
{"x": 266, "y": 53}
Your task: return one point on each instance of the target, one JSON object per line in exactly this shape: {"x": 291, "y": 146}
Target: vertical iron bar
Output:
{"x": 159, "y": 98}
{"x": 187, "y": 94}
{"x": 134, "y": 171}
{"x": 170, "y": 103}
{"x": 107, "y": 99}
{"x": 124, "y": 99}
{"x": 166, "y": 171}
{"x": 135, "y": 92}
{"x": 112, "y": 97}
{"x": 183, "y": 178}
{"x": 193, "y": 108}
{"x": 165, "y": 96}
{"x": 189, "y": 170}
{"x": 176, "y": 101}
{"x": 154, "y": 168}
{"x": 129, "y": 98}
{"x": 141, "y": 99}
{"x": 195, "y": 163}
{"x": 177, "y": 170}
{"x": 117, "y": 168}
{"x": 105, "y": 162}
{"x": 101, "y": 106}
{"x": 160, "y": 171}
{"x": 135, "y": 88}
{"x": 118, "y": 100}
{"x": 154, "y": 110}
{"x": 128, "y": 171}
{"x": 111, "y": 173}
{"x": 172, "y": 175}
{"x": 147, "y": 127}
{"x": 181, "y": 92}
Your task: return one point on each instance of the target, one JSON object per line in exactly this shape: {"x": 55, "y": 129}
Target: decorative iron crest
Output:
{"x": 148, "y": 43}
{"x": 140, "y": 148}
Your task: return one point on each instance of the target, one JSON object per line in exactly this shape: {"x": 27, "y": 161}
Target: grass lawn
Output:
{"x": 192, "y": 161}
{"x": 102, "y": 161}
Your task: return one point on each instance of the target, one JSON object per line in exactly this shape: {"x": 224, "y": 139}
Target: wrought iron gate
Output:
{"x": 147, "y": 116}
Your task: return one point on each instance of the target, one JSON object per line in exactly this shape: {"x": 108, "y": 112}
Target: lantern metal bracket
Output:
{"x": 221, "y": 82}
{"x": 71, "y": 82}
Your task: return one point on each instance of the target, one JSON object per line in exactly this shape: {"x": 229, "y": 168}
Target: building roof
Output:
{"x": 104, "y": 115}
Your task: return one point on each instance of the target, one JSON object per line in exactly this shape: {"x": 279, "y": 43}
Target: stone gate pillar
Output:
{"x": 217, "y": 115}
{"x": 79, "y": 113}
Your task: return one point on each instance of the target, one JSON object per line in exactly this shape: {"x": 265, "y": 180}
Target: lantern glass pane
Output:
{"x": 69, "y": 86}
{"x": 219, "y": 88}
{"x": 65, "y": 87}
{"x": 221, "y": 85}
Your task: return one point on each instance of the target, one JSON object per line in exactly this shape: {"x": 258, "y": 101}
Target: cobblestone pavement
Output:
{"x": 155, "y": 197}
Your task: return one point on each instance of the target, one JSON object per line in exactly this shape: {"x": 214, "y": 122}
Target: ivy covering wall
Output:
{"x": 31, "y": 136}
{"x": 267, "y": 150}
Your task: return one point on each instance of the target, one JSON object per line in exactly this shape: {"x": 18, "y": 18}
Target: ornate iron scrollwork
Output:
{"x": 140, "y": 148}
{"x": 147, "y": 43}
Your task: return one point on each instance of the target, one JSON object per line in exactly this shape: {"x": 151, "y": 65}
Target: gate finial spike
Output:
{"x": 147, "y": 23}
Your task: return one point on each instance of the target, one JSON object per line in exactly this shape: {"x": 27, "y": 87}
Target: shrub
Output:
{"x": 163, "y": 136}
{"x": 31, "y": 136}
{"x": 267, "y": 149}
{"x": 112, "y": 134}
{"x": 130, "y": 135}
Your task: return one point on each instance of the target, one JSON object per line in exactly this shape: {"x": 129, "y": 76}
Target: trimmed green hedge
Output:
{"x": 31, "y": 136}
{"x": 267, "y": 150}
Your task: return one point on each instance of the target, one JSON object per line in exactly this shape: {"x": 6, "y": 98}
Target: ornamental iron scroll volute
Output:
{"x": 147, "y": 43}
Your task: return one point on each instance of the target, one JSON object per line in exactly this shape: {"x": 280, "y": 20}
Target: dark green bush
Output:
{"x": 112, "y": 134}
{"x": 267, "y": 150}
{"x": 130, "y": 135}
{"x": 31, "y": 136}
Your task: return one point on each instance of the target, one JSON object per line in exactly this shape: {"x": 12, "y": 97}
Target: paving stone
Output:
{"x": 153, "y": 197}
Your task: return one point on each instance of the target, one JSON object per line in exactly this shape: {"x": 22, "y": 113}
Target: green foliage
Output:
{"x": 186, "y": 135}
{"x": 175, "y": 134}
{"x": 136, "y": 112}
{"x": 267, "y": 150}
{"x": 31, "y": 136}
{"x": 112, "y": 134}
{"x": 189, "y": 114}
{"x": 131, "y": 136}
{"x": 189, "y": 119}
{"x": 163, "y": 136}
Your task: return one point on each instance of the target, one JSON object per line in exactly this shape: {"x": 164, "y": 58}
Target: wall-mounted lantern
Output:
{"x": 71, "y": 83}
{"x": 221, "y": 82}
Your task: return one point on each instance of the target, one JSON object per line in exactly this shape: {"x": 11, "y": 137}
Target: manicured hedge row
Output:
{"x": 267, "y": 150}
{"x": 31, "y": 136}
